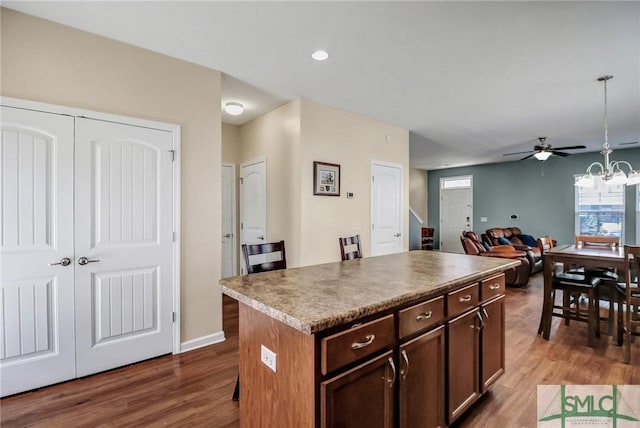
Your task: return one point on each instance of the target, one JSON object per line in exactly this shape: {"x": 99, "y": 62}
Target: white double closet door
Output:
{"x": 86, "y": 247}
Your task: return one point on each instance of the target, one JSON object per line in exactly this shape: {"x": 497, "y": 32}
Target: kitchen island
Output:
{"x": 409, "y": 339}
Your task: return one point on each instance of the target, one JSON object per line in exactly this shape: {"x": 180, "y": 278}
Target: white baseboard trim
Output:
{"x": 199, "y": 342}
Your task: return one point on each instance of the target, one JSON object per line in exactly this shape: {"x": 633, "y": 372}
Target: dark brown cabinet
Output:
{"x": 421, "y": 398}
{"x": 492, "y": 341}
{"x": 475, "y": 343}
{"x": 362, "y": 396}
{"x": 463, "y": 350}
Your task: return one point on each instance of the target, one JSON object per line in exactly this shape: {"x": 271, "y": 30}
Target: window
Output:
{"x": 600, "y": 210}
{"x": 462, "y": 182}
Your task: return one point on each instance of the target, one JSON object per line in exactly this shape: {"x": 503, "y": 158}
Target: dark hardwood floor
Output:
{"x": 194, "y": 389}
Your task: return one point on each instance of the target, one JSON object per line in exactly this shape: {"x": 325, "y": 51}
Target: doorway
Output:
{"x": 456, "y": 211}
{"x": 386, "y": 208}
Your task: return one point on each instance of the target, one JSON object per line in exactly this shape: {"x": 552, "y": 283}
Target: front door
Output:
{"x": 123, "y": 243}
{"x": 253, "y": 205}
{"x": 386, "y": 209}
{"x": 456, "y": 211}
{"x": 37, "y": 345}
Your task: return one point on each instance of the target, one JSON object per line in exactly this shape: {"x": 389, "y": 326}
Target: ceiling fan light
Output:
{"x": 585, "y": 181}
{"x": 542, "y": 156}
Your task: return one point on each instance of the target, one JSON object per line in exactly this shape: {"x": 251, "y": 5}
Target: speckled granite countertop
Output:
{"x": 314, "y": 298}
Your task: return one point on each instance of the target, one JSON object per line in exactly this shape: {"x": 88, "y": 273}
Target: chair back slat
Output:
{"x": 269, "y": 249}
{"x": 351, "y": 241}
{"x": 597, "y": 241}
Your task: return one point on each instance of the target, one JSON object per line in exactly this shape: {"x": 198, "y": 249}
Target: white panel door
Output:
{"x": 253, "y": 205}
{"x": 228, "y": 220}
{"x": 386, "y": 209}
{"x": 36, "y": 231}
{"x": 124, "y": 228}
{"x": 456, "y": 214}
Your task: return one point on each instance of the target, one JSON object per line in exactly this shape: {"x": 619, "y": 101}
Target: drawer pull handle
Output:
{"x": 359, "y": 345}
{"x": 494, "y": 286}
{"x": 465, "y": 299}
{"x": 424, "y": 316}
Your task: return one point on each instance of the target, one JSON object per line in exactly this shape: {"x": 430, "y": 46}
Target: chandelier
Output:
{"x": 610, "y": 172}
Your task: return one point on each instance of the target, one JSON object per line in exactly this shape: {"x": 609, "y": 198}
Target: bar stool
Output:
{"x": 574, "y": 284}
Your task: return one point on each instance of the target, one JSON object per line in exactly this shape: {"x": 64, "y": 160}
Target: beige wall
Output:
{"x": 230, "y": 143}
{"x": 336, "y": 136}
{"x": 47, "y": 62}
{"x": 418, "y": 193}
{"x": 291, "y": 138}
{"x": 276, "y": 137}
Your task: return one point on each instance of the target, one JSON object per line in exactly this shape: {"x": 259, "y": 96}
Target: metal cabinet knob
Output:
{"x": 226, "y": 235}
{"x": 65, "y": 261}
{"x": 83, "y": 261}
{"x": 261, "y": 237}
{"x": 397, "y": 235}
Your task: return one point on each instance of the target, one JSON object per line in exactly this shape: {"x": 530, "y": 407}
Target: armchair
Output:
{"x": 514, "y": 237}
{"x": 514, "y": 276}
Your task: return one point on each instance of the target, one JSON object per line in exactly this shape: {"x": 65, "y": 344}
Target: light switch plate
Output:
{"x": 268, "y": 357}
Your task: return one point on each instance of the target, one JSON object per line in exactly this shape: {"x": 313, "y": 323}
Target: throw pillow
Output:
{"x": 528, "y": 240}
{"x": 504, "y": 241}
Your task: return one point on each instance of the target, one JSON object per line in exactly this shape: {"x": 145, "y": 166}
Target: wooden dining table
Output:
{"x": 576, "y": 256}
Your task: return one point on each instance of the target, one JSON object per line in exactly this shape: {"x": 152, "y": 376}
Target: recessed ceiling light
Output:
{"x": 320, "y": 55}
{"x": 234, "y": 108}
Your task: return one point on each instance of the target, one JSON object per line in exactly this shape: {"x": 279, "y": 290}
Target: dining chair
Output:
{"x": 350, "y": 247}
{"x": 572, "y": 284}
{"x": 545, "y": 243}
{"x": 608, "y": 277}
{"x": 629, "y": 299}
{"x": 266, "y": 257}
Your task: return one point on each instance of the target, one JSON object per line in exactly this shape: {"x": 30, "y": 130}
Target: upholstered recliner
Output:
{"x": 514, "y": 276}
{"x": 514, "y": 236}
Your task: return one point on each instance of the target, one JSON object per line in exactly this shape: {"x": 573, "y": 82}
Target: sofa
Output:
{"x": 515, "y": 276}
{"x": 520, "y": 241}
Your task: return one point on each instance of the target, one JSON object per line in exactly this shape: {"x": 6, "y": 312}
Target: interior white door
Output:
{"x": 124, "y": 230}
{"x": 253, "y": 204}
{"x": 456, "y": 214}
{"x": 386, "y": 209}
{"x": 228, "y": 220}
{"x": 36, "y": 237}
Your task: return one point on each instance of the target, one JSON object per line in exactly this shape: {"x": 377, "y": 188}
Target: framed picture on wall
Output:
{"x": 326, "y": 179}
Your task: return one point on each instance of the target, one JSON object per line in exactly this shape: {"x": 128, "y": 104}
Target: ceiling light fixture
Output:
{"x": 320, "y": 55}
{"x": 610, "y": 171}
{"x": 234, "y": 108}
{"x": 542, "y": 156}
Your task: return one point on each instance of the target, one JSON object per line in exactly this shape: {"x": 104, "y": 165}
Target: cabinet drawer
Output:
{"x": 462, "y": 300}
{"x": 357, "y": 342}
{"x": 492, "y": 287}
{"x": 421, "y": 316}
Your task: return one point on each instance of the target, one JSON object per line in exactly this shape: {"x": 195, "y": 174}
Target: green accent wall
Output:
{"x": 541, "y": 193}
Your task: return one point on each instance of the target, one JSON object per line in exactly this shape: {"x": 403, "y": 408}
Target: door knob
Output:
{"x": 226, "y": 235}
{"x": 261, "y": 237}
{"x": 397, "y": 235}
{"x": 65, "y": 261}
{"x": 83, "y": 261}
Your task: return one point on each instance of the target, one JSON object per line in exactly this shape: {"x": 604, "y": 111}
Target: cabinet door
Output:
{"x": 362, "y": 396}
{"x": 492, "y": 341}
{"x": 422, "y": 381}
{"x": 463, "y": 346}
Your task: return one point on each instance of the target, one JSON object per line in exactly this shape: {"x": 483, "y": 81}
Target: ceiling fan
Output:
{"x": 543, "y": 150}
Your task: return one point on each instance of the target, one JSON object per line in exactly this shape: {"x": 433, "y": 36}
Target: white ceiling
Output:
{"x": 470, "y": 80}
